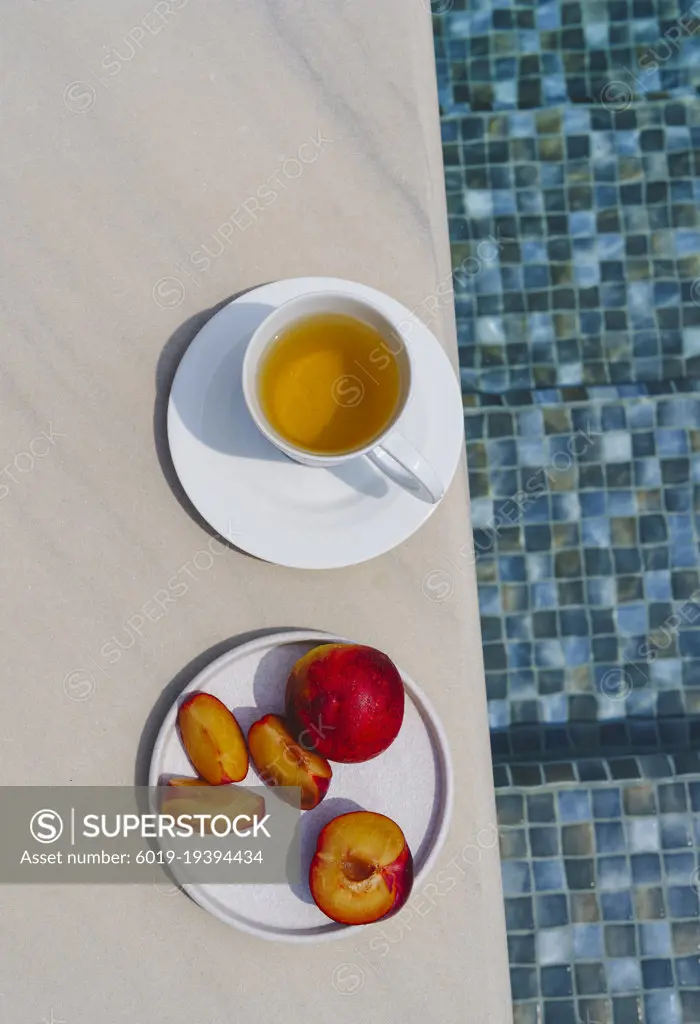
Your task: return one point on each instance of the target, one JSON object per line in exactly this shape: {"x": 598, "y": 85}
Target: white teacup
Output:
{"x": 390, "y": 452}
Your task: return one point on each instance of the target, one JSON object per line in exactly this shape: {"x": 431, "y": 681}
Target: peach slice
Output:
{"x": 185, "y": 780}
{"x": 281, "y": 761}
{"x": 213, "y": 739}
{"x": 362, "y": 869}
{"x": 178, "y": 799}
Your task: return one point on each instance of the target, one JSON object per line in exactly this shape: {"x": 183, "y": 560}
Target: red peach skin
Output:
{"x": 345, "y": 700}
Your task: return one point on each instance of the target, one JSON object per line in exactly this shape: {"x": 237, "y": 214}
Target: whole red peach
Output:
{"x": 346, "y": 701}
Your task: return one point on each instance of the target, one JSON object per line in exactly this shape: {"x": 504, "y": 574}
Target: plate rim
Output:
{"x": 302, "y": 285}
{"x": 430, "y": 718}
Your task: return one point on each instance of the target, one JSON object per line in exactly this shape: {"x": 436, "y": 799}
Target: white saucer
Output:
{"x": 276, "y": 509}
{"x": 411, "y": 782}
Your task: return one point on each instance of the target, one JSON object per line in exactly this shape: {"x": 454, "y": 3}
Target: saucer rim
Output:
{"x": 255, "y": 545}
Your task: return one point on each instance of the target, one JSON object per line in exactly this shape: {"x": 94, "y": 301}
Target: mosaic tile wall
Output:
{"x": 601, "y": 910}
{"x": 588, "y": 191}
{"x": 586, "y": 579}
{"x": 571, "y": 137}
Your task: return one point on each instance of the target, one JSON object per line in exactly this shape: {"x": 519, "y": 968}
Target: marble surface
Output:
{"x": 133, "y": 137}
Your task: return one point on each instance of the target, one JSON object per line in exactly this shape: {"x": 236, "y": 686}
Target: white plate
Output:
{"x": 410, "y": 782}
{"x": 252, "y": 494}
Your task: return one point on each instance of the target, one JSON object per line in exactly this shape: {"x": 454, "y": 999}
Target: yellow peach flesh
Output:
{"x": 213, "y": 740}
{"x": 362, "y": 869}
{"x": 281, "y": 761}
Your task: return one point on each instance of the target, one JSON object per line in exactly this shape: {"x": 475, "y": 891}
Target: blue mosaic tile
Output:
{"x": 516, "y": 877}
{"x": 574, "y": 806}
{"x": 616, "y": 906}
{"x": 606, "y": 803}
{"x": 657, "y": 974}
{"x": 610, "y": 837}
{"x": 687, "y": 972}
{"x": 548, "y": 875}
{"x": 552, "y": 911}
{"x": 663, "y": 1008}
{"x": 646, "y": 868}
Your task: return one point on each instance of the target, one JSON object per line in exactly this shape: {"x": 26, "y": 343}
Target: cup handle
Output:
{"x": 399, "y": 460}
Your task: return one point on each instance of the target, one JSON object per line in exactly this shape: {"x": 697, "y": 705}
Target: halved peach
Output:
{"x": 281, "y": 761}
{"x": 231, "y": 801}
{"x": 362, "y": 869}
{"x": 213, "y": 739}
